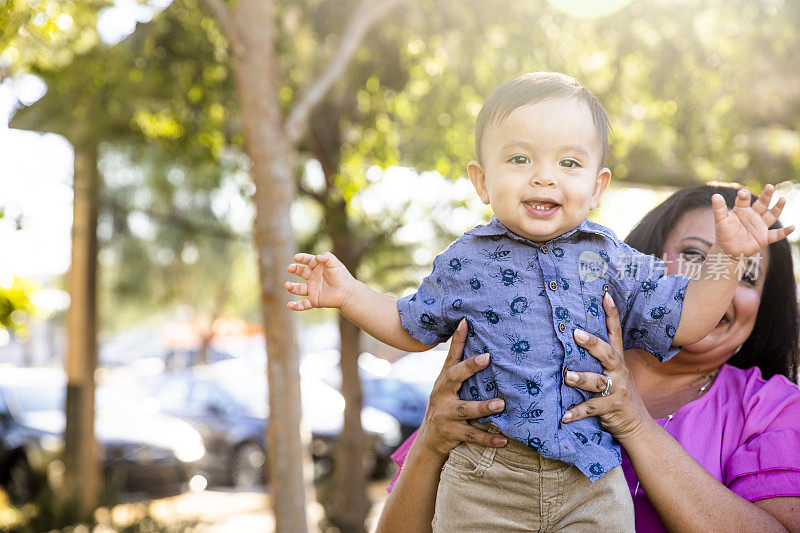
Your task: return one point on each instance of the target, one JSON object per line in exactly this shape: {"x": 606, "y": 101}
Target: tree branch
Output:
{"x": 365, "y": 15}
{"x": 303, "y": 189}
{"x": 383, "y": 234}
{"x": 220, "y": 12}
{"x": 178, "y": 220}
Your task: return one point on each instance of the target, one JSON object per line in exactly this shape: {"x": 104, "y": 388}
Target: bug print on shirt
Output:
{"x": 530, "y": 415}
{"x": 498, "y": 254}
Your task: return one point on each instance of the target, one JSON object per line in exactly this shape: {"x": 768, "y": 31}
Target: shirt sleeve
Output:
{"x": 422, "y": 314}
{"x": 651, "y": 305}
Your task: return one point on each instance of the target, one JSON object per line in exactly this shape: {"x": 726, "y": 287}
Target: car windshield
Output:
{"x": 252, "y": 391}
{"x": 51, "y": 397}
{"x": 116, "y": 399}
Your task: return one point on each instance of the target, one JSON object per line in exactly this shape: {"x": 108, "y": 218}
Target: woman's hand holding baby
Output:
{"x": 622, "y": 412}
{"x": 445, "y": 423}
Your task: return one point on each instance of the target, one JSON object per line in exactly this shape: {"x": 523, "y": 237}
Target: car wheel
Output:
{"x": 21, "y": 484}
{"x": 247, "y": 466}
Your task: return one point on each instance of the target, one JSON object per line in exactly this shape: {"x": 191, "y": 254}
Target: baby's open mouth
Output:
{"x": 541, "y": 206}
{"x": 542, "y": 209}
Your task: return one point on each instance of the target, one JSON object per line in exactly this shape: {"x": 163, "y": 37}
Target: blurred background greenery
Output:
{"x": 697, "y": 90}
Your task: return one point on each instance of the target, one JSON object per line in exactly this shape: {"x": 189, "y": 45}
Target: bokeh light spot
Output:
{"x": 589, "y": 8}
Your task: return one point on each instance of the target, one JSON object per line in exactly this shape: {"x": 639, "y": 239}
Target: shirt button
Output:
{"x": 562, "y": 327}
{"x": 553, "y": 285}
{"x": 544, "y": 249}
{"x": 605, "y": 287}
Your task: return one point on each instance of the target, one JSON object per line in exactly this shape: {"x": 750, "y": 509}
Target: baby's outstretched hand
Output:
{"x": 328, "y": 282}
{"x": 744, "y": 230}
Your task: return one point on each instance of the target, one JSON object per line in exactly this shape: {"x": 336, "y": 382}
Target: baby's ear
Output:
{"x": 600, "y": 185}
{"x": 478, "y": 179}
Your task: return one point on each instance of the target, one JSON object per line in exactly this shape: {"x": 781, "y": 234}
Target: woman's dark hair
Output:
{"x": 773, "y": 344}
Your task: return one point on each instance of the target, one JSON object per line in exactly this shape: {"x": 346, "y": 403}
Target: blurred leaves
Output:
{"x": 696, "y": 90}
{"x": 45, "y": 33}
{"x": 16, "y": 307}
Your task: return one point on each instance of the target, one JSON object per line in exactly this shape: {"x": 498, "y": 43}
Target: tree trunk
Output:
{"x": 351, "y": 505}
{"x": 272, "y": 162}
{"x": 80, "y": 447}
{"x": 351, "y": 501}
{"x": 271, "y": 146}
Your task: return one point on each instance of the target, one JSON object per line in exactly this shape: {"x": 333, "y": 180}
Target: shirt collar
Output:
{"x": 495, "y": 227}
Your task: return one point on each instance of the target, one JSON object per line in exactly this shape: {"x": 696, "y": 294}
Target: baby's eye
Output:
{"x": 520, "y": 159}
{"x": 569, "y": 163}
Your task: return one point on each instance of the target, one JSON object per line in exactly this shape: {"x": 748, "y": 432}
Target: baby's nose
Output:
{"x": 543, "y": 177}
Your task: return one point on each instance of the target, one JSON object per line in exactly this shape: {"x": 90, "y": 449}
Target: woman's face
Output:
{"x": 689, "y": 243}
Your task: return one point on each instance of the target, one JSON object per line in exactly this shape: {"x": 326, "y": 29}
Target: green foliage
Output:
{"x": 158, "y": 103}
{"x": 179, "y": 69}
{"x": 696, "y": 91}
{"x": 167, "y": 240}
{"x": 45, "y": 33}
{"x": 16, "y": 307}
{"x": 49, "y": 510}
{"x": 53, "y": 511}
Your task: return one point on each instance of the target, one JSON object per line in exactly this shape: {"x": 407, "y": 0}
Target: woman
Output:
{"x": 714, "y": 445}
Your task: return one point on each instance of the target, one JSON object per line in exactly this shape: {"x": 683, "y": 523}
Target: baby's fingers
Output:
{"x": 299, "y": 289}
{"x": 301, "y": 305}
{"x": 299, "y": 270}
{"x": 306, "y": 259}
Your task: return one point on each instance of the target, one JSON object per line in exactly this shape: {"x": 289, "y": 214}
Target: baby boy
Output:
{"x": 525, "y": 282}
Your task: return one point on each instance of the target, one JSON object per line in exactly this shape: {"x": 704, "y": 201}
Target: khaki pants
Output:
{"x": 515, "y": 489}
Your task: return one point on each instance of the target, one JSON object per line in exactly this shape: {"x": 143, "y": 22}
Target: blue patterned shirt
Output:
{"x": 522, "y": 301}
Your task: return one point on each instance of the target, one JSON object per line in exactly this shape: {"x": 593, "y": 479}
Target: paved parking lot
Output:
{"x": 217, "y": 511}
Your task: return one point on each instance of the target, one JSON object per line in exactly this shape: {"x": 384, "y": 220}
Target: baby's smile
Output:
{"x": 542, "y": 208}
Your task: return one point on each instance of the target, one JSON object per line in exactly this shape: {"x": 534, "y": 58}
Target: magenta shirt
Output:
{"x": 750, "y": 439}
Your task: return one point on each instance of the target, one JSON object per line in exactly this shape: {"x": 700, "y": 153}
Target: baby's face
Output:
{"x": 541, "y": 168}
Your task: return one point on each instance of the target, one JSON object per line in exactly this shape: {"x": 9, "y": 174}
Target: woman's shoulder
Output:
{"x": 758, "y": 459}
{"x": 757, "y": 397}
{"x": 751, "y": 385}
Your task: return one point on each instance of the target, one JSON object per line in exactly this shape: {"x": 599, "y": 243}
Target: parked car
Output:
{"x": 181, "y": 358}
{"x": 227, "y": 403}
{"x": 139, "y": 450}
{"x": 400, "y": 389}
{"x": 397, "y": 398}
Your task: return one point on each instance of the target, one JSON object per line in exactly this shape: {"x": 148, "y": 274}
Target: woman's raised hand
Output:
{"x": 744, "y": 230}
{"x": 621, "y": 411}
{"x": 445, "y": 423}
